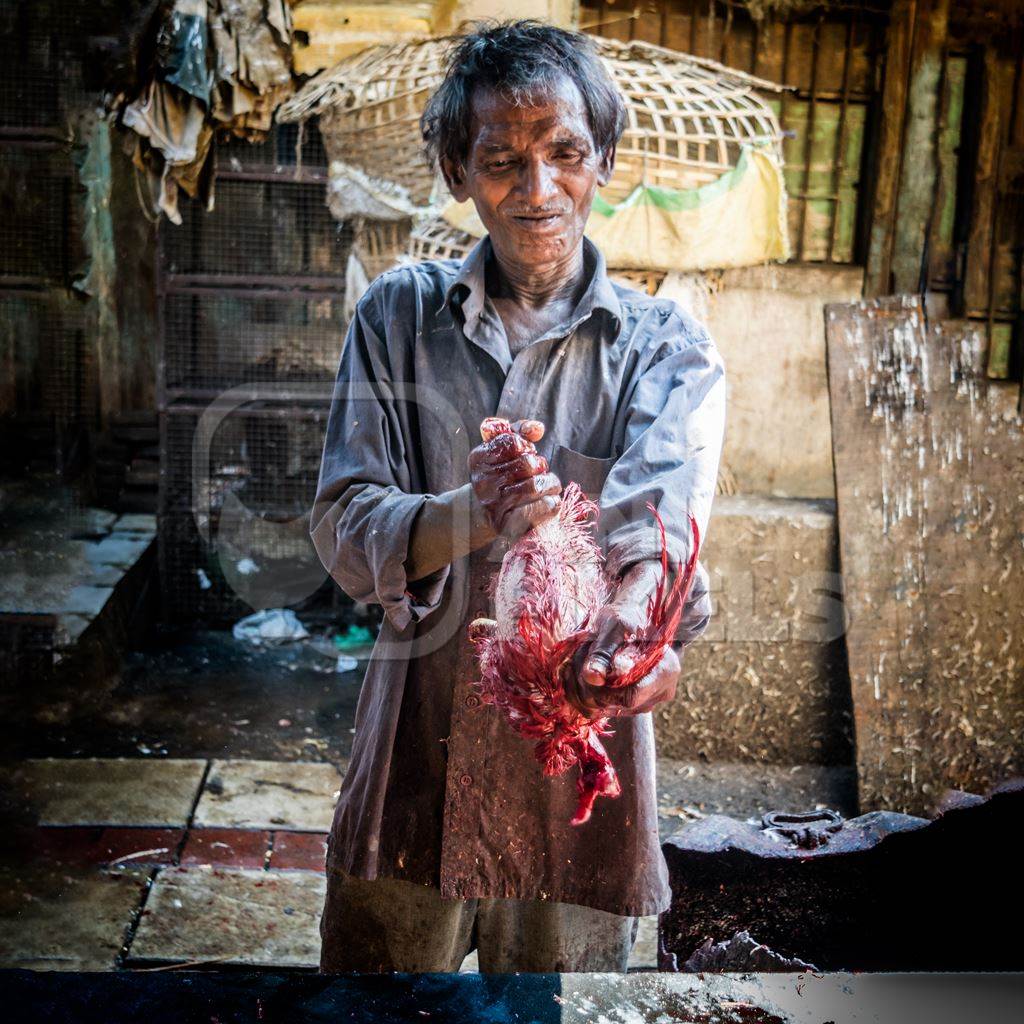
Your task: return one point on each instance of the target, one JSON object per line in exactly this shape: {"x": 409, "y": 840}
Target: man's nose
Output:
{"x": 537, "y": 182}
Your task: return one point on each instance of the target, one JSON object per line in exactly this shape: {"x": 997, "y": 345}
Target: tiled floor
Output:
{"x": 56, "y": 919}
{"x": 264, "y": 918}
{"x": 269, "y": 794}
{"x": 153, "y": 861}
{"x": 110, "y": 791}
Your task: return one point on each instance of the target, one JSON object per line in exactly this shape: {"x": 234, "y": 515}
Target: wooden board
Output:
{"x": 929, "y": 460}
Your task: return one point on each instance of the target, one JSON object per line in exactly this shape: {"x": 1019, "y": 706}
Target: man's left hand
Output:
{"x": 586, "y": 683}
{"x": 658, "y": 686}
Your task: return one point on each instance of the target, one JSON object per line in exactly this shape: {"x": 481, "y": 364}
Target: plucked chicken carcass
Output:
{"x": 546, "y": 595}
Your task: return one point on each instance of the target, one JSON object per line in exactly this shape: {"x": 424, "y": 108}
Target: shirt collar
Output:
{"x": 467, "y": 290}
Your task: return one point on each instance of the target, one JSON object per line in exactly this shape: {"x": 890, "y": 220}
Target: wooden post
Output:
{"x": 878, "y": 274}
{"x": 916, "y": 191}
{"x": 983, "y": 204}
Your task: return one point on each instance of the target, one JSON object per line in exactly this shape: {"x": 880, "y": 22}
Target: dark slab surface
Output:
{"x": 184, "y": 997}
{"x": 929, "y": 459}
{"x": 882, "y": 892}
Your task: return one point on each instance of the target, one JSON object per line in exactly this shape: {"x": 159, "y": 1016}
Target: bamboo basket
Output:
{"x": 687, "y": 118}
{"x": 436, "y": 239}
{"x": 380, "y": 244}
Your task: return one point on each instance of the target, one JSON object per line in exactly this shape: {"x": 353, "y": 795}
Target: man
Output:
{"x": 446, "y": 835}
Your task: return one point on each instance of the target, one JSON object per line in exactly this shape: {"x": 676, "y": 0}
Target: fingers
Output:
{"x": 611, "y": 632}
{"x": 622, "y": 661}
{"x": 501, "y": 448}
{"x": 493, "y": 426}
{"x": 508, "y": 473}
{"x": 532, "y": 430}
{"x": 658, "y": 686}
{"x": 520, "y": 492}
{"x": 522, "y": 468}
{"x": 523, "y": 517}
{"x": 579, "y": 695}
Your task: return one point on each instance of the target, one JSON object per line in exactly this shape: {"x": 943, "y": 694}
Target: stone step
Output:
{"x": 78, "y": 566}
{"x": 767, "y": 682}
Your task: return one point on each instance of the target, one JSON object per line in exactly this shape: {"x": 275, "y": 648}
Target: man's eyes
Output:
{"x": 562, "y": 156}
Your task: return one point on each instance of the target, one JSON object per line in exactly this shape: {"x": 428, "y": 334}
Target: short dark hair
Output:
{"x": 517, "y": 59}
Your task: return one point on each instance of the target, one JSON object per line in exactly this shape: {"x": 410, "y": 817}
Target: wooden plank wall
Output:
{"x": 828, "y": 56}
{"x": 947, "y": 213}
{"x": 905, "y": 149}
{"x": 929, "y": 528}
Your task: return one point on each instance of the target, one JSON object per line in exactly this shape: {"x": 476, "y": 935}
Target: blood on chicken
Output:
{"x": 551, "y": 584}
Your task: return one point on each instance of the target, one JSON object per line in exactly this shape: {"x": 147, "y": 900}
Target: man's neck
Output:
{"x": 532, "y": 287}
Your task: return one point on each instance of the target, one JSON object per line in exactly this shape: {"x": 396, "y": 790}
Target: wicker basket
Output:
{"x": 688, "y": 118}
{"x": 369, "y": 107}
{"x": 436, "y": 239}
{"x": 380, "y": 244}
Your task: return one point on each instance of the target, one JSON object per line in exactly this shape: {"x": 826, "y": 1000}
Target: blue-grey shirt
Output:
{"x": 631, "y": 389}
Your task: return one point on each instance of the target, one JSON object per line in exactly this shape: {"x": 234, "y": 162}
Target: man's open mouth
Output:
{"x": 536, "y": 221}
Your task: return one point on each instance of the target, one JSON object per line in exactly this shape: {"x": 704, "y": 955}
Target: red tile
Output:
{"x": 226, "y": 848}
{"x": 299, "y": 851}
{"x": 128, "y": 846}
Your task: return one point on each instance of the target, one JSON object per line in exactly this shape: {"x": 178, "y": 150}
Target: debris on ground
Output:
{"x": 270, "y": 626}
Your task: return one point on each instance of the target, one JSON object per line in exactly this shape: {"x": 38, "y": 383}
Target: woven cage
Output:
{"x": 370, "y": 106}
{"x": 380, "y": 244}
{"x": 687, "y": 118}
{"x": 436, "y": 239}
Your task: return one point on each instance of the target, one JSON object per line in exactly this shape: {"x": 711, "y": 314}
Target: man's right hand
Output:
{"x": 511, "y": 480}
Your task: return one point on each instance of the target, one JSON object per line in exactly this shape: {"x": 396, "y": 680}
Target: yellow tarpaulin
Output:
{"x": 737, "y": 220}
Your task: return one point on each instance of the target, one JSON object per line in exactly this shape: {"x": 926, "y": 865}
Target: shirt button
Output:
{"x": 465, "y": 780}
{"x": 472, "y": 701}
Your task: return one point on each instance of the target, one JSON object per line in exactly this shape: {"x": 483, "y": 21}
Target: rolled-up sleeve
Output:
{"x": 672, "y": 443}
{"x": 366, "y": 505}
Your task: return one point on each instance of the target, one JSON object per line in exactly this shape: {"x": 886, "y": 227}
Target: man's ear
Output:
{"x": 607, "y": 166}
{"x": 455, "y": 178}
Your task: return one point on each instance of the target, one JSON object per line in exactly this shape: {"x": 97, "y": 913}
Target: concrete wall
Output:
{"x": 767, "y": 682}
{"x": 769, "y": 325}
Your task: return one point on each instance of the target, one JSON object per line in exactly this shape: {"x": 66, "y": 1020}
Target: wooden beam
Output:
{"x": 915, "y": 202}
{"x": 878, "y": 275}
{"x": 983, "y": 204}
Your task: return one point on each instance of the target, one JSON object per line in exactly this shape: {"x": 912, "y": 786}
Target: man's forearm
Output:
{"x": 448, "y": 526}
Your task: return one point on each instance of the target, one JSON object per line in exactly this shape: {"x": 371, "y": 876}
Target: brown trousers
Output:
{"x": 389, "y": 925}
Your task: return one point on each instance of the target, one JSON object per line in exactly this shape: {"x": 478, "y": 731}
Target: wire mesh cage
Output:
{"x": 289, "y": 150}
{"x": 252, "y": 323}
{"x": 46, "y": 355}
{"x": 214, "y": 573}
{"x": 40, "y": 231}
{"x": 217, "y": 340}
{"x": 42, "y": 59}
{"x": 259, "y": 229}
{"x": 263, "y": 454}
{"x": 237, "y": 488}
{"x": 688, "y": 118}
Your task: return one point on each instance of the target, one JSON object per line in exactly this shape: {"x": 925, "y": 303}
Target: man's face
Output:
{"x": 532, "y": 171}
